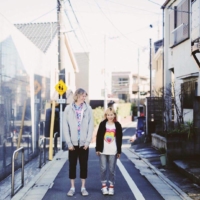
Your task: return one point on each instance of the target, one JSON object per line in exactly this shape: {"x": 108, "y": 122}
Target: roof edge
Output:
{"x": 165, "y": 3}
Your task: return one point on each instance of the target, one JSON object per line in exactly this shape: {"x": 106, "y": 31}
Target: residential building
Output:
{"x": 25, "y": 70}
{"x": 125, "y": 86}
{"x": 157, "y": 66}
{"x": 29, "y": 71}
{"x": 82, "y": 78}
{"x": 181, "y": 58}
{"x": 180, "y": 65}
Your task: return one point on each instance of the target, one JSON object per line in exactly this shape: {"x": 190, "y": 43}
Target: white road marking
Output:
{"x": 136, "y": 192}
{"x": 126, "y": 137}
{"x": 126, "y": 145}
{"x": 124, "y": 130}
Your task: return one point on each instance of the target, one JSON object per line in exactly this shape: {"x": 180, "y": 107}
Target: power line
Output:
{"x": 170, "y": 7}
{"x": 43, "y": 15}
{"x": 75, "y": 33}
{"x": 85, "y": 38}
{"x": 134, "y": 7}
{"x": 115, "y": 26}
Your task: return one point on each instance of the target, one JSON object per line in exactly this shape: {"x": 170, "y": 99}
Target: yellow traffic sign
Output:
{"x": 37, "y": 87}
{"x": 60, "y": 87}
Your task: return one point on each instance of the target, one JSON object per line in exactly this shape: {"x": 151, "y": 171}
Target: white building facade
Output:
{"x": 179, "y": 63}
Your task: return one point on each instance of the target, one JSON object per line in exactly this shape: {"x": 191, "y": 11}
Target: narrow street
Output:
{"x": 130, "y": 184}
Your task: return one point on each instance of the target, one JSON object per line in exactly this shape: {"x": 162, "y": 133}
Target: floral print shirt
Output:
{"x": 78, "y": 110}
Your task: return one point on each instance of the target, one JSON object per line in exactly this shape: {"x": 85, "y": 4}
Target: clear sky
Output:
{"x": 125, "y": 24}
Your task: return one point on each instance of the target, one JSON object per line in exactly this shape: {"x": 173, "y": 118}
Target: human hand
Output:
{"x": 71, "y": 148}
{"x": 133, "y": 138}
{"x": 118, "y": 156}
{"x": 85, "y": 147}
{"x": 98, "y": 153}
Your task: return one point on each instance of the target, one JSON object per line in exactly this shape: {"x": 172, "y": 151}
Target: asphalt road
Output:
{"x": 130, "y": 184}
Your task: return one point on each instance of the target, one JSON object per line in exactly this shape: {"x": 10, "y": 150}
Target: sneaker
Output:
{"x": 84, "y": 192}
{"x": 104, "y": 190}
{"x": 111, "y": 191}
{"x": 71, "y": 193}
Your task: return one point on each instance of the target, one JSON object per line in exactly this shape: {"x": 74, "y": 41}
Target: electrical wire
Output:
{"x": 75, "y": 34}
{"x": 115, "y": 26}
{"x": 42, "y": 15}
{"x": 170, "y": 8}
{"x": 133, "y": 7}
{"x": 84, "y": 36}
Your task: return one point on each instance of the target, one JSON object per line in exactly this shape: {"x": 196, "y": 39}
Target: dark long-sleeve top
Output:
{"x": 100, "y": 136}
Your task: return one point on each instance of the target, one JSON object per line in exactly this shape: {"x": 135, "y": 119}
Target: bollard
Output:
{"x": 13, "y": 170}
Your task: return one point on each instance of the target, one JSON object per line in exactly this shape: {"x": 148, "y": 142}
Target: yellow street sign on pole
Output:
{"x": 60, "y": 87}
{"x": 37, "y": 87}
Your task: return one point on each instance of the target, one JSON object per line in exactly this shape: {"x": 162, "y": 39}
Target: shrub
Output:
{"x": 98, "y": 114}
{"x": 134, "y": 109}
{"x": 124, "y": 109}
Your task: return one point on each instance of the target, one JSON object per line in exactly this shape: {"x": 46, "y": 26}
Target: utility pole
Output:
{"x": 105, "y": 76}
{"x": 150, "y": 67}
{"x": 138, "y": 83}
{"x": 163, "y": 71}
{"x": 58, "y": 28}
{"x": 60, "y": 54}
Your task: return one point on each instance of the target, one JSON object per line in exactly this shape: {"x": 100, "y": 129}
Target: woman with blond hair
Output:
{"x": 78, "y": 129}
{"x": 108, "y": 148}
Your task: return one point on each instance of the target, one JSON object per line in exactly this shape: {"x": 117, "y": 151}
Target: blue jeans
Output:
{"x": 107, "y": 165}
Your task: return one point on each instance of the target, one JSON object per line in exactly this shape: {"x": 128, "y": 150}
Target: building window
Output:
{"x": 179, "y": 23}
{"x": 187, "y": 94}
{"x": 135, "y": 80}
{"x": 123, "y": 81}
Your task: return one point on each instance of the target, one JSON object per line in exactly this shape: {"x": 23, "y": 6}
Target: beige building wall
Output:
{"x": 157, "y": 66}
{"x": 82, "y": 77}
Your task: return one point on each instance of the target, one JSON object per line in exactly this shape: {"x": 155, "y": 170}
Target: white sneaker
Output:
{"x": 84, "y": 192}
{"x": 71, "y": 193}
{"x": 111, "y": 191}
{"x": 104, "y": 190}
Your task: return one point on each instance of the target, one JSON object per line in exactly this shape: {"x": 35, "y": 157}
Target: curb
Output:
{"x": 164, "y": 178}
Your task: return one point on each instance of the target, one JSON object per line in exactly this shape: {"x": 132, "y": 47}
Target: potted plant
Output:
{"x": 163, "y": 156}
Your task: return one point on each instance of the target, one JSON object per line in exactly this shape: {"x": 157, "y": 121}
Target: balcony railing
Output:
{"x": 195, "y": 32}
{"x": 179, "y": 34}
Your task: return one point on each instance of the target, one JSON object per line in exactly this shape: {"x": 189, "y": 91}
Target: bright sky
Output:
{"x": 124, "y": 23}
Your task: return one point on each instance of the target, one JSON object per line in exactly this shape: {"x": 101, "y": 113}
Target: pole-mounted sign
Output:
{"x": 61, "y": 88}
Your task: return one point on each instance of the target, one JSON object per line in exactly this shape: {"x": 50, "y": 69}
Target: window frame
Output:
{"x": 179, "y": 22}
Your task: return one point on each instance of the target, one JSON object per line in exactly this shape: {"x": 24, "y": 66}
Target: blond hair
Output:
{"x": 110, "y": 110}
{"x": 78, "y": 93}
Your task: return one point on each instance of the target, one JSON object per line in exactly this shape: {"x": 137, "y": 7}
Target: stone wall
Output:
{"x": 158, "y": 141}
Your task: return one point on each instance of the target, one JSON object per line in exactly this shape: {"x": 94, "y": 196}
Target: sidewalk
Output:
{"x": 177, "y": 176}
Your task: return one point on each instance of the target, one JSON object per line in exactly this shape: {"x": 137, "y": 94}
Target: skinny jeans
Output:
{"x": 107, "y": 168}
{"x": 78, "y": 154}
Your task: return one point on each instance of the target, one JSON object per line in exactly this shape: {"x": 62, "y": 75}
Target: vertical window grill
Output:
{"x": 187, "y": 94}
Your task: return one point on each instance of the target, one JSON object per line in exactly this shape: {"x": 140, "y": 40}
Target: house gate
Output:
{"x": 154, "y": 115}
